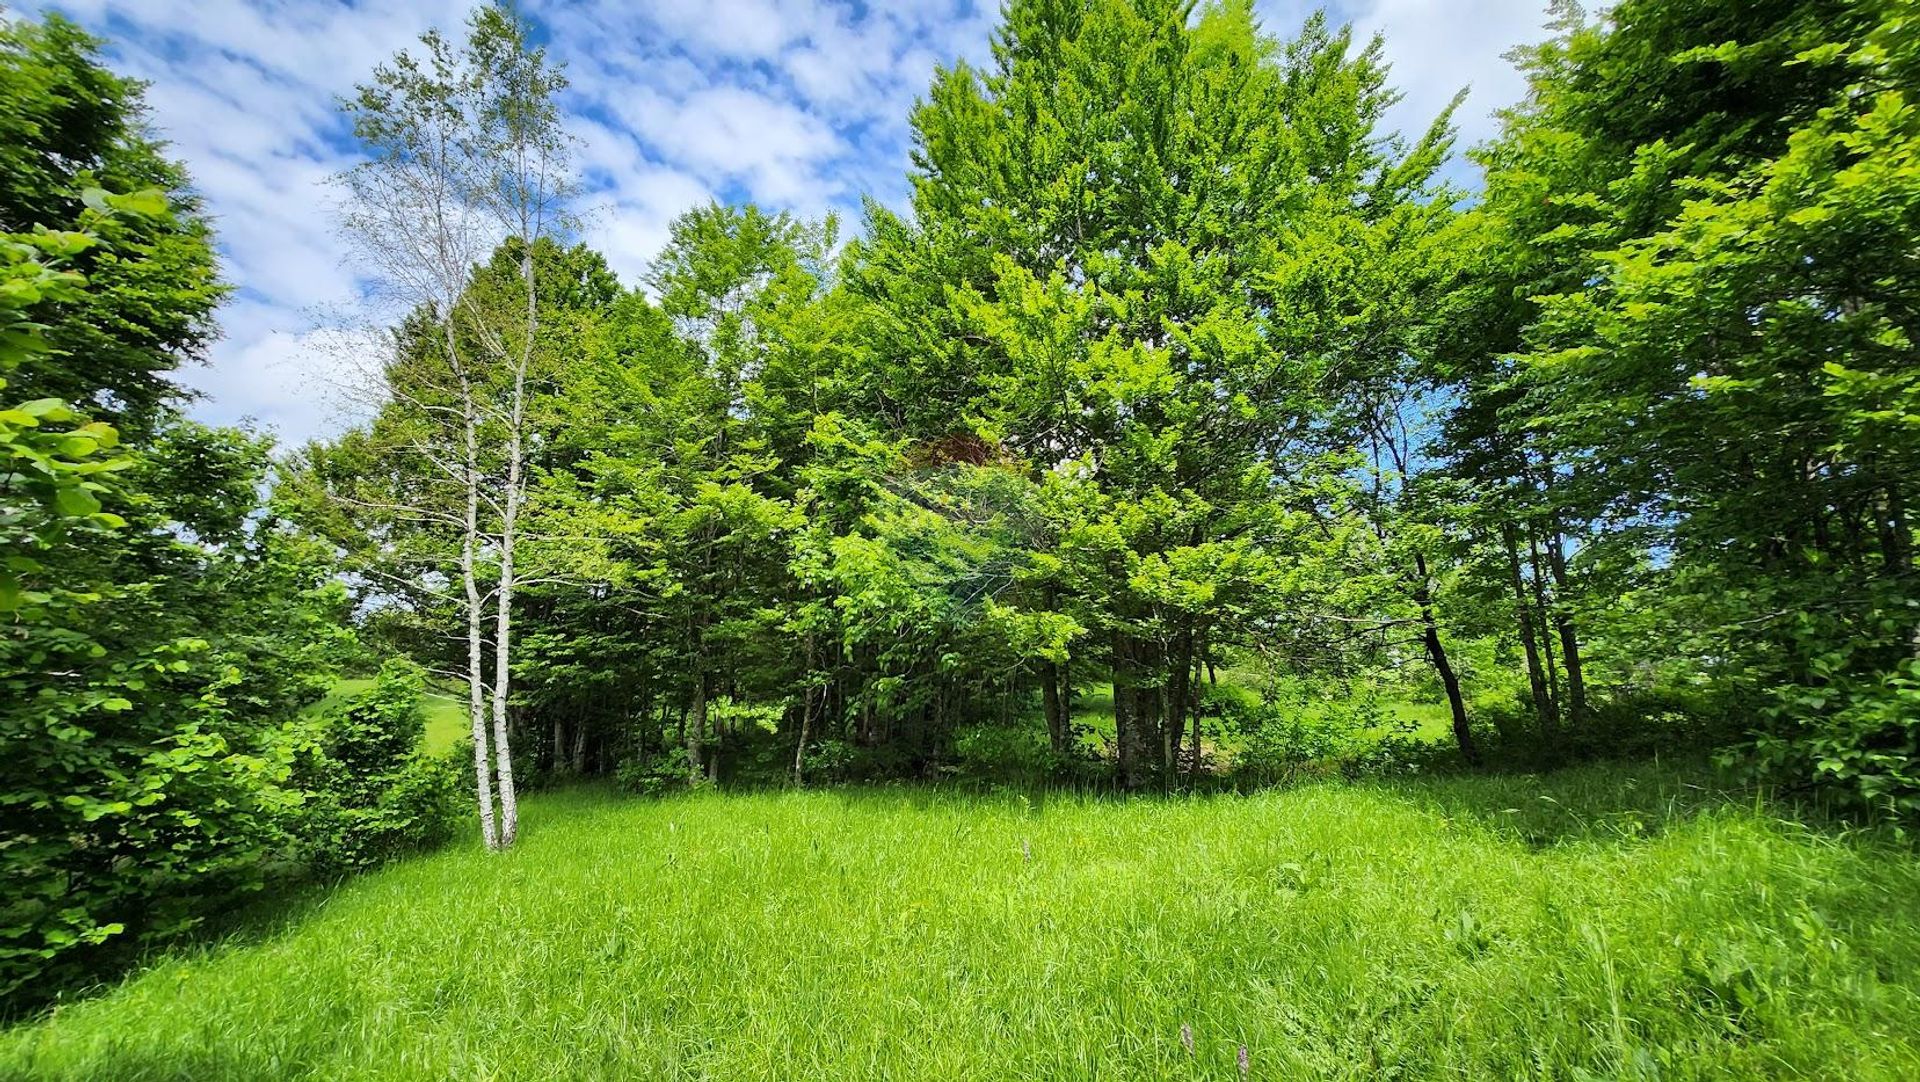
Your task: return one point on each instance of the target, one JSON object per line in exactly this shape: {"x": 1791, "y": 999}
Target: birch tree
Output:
{"x": 464, "y": 154}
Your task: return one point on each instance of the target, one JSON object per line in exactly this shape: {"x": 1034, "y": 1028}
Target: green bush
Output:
{"x": 1296, "y": 734}
{"x": 1856, "y": 736}
{"x": 371, "y": 791}
{"x": 830, "y": 759}
{"x": 134, "y": 792}
{"x": 653, "y": 774}
{"x": 1005, "y": 754}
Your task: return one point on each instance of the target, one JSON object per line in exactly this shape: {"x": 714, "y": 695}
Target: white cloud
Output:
{"x": 1440, "y": 47}
{"x": 799, "y": 104}
{"x": 632, "y": 230}
{"x": 298, "y": 384}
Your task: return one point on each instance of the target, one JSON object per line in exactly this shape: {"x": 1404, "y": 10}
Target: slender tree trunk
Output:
{"x": 1055, "y": 710}
{"x": 1543, "y": 603}
{"x": 806, "y": 718}
{"x": 476, "y": 678}
{"x": 1523, "y": 615}
{"x": 697, "y": 730}
{"x": 1179, "y": 686}
{"x": 509, "y": 537}
{"x": 503, "y": 647}
{"x": 1563, "y": 623}
{"x": 1193, "y": 762}
{"x": 806, "y": 730}
{"x": 1437, "y": 653}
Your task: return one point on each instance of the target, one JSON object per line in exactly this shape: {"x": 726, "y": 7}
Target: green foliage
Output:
{"x": 1295, "y": 733}
{"x": 1007, "y": 755}
{"x": 1857, "y": 734}
{"x": 1627, "y": 922}
{"x": 370, "y": 788}
{"x": 115, "y": 759}
{"x": 158, "y": 623}
{"x": 1715, "y": 323}
{"x": 70, "y": 132}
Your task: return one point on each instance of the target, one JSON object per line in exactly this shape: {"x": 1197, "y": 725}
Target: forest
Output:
{"x": 1213, "y": 585}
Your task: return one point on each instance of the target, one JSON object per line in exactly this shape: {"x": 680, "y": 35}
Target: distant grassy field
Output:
{"x": 446, "y": 716}
{"x": 1594, "y": 924}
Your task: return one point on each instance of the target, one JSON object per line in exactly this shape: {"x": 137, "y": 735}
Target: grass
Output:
{"x": 447, "y": 722}
{"x": 1432, "y": 723}
{"x": 1598, "y": 923}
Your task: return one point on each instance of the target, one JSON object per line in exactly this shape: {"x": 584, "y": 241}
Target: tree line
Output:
{"x": 1182, "y": 377}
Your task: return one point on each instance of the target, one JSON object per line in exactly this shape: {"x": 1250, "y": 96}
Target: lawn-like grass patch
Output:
{"x": 1598, "y": 923}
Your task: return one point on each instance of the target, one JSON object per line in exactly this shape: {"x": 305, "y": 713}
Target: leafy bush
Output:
{"x": 653, "y": 774}
{"x": 1297, "y": 733}
{"x": 370, "y": 789}
{"x": 133, "y": 789}
{"x": 1856, "y": 736}
{"x": 830, "y": 759}
{"x": 1005, "y": 754}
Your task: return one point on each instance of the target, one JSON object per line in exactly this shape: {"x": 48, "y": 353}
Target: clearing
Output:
{"x": 1597, "y": 923}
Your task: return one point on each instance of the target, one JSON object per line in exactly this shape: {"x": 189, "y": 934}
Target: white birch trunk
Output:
{"x": 509, "y": 522}
{"x": 476, "y": 709}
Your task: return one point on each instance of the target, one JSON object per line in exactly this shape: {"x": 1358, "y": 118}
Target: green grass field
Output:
{"x": 1596, "y": 924}
{"x": 446, "y": 715}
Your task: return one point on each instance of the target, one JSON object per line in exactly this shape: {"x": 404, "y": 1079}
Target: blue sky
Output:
{"x": 798, "y": 104}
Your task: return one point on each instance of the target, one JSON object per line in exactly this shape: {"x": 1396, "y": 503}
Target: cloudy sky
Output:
{"x": 798, "y": 104}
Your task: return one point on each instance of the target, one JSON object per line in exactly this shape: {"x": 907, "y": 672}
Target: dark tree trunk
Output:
{"x": 1136, "y": 714}
{"x": 1563, "y": 622}
{"x": 1193, "y": 761}
{"x": 1147, "y": 734}
{"x": 1437, "y": 653}
{"x": 1543, "y": 603}
{"x": 696, "y": 727}
{"x": 1055, "y": 709}
{"x": 1179, "y": 691}
{"x": 1123, "y": 740}
{"x": 1543, "y": 711}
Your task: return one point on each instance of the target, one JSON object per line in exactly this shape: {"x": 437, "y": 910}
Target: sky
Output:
{"x": 798, "y": 105}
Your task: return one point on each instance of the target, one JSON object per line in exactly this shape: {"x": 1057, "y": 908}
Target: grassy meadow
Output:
{"x": 446, "y": 716}
{"x": 1600, "y": 923}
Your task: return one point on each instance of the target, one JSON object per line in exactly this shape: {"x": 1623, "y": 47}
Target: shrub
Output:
{"x": 1005, "y": 754}
{"x": 829, "y": 759}
{"x": 1296, "y": 734}
{"x": 1857, "y": 737}
{"x": 653, "y": 774}
{"x": 371, "y": 791}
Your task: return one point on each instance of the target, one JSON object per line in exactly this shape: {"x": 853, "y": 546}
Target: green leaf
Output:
{"x": 47, "y": 409}
{"x": 147, "y": 203}
{"x": 75, "y": 502}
